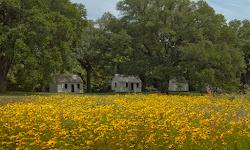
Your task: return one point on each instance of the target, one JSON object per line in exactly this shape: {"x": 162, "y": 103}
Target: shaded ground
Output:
{"x": 25, "y": 94}
{"x": 6, "y": 100}
{"x": 13, "y": 94}
{"x": 13, "y": 97}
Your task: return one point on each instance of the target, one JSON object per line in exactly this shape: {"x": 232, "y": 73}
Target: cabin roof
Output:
{"x": 68, "y": 78}
{"x": 132, "y": 79}
{"x": 179, "y": 80}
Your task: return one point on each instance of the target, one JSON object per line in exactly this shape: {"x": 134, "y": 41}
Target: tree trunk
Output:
{"x": 245, "y": 78}
{"x": 87, "y": 66}
{"x": 43, "y": 88}
{"x": 166, "y": 85}
{"x": 4, "y": 69}
{"x": 2, "y": 84}
{"x": 247, "y": 74}
{"x": 88, "y": 80}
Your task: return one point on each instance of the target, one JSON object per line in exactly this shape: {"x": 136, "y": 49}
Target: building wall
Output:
{"x": 121, "y": 86}
{"x": 178, "y": 86}
{"x": 60, "y": 88}
{"x": 113, "y": 88}
{"x": 135, "y": 89}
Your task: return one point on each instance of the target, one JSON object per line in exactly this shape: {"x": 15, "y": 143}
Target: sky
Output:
{"x": 231, "y": 9}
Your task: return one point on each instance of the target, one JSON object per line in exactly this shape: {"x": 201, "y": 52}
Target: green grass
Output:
{"x": 24, "y": 94}
{"x": 16, "y": 94}
{"x": 13, "y": 96}
{"x": 187, "y": 93}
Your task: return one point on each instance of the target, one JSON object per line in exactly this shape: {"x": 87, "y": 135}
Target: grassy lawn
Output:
{"x": 47, "y": 94}
{"x": 24, "y": 94}
{"x": 12, "y": 96}
{"x": 16, "y": 94}
{"x": 187, "y": 93}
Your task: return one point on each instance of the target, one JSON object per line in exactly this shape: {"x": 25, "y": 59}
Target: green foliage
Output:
{"x": 217, "y": 65}
{"x": 38, "y": 38}
{"x": 167, "y": 39}
{"x": 100, "y": 53}
{"x": 242, "y": 29}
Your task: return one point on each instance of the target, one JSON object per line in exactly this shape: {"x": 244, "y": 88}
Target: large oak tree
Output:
{"x": 37, "y": 37}
{"x": 99, "y": 51}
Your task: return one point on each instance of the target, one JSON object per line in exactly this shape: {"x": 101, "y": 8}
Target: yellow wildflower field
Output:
{"x": 151, "y": 121}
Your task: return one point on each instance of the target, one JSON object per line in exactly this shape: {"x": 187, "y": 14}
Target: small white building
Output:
{"x": 122, "y": 83}
{"x": 67, "y": 84}
{"x": 178, "y": 85}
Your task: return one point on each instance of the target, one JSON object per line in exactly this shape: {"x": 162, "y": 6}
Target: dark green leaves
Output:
{"x": 39, "y": 36}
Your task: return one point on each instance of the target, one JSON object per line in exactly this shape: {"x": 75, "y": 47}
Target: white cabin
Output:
{"x": 67, "y": 84}
{"x": 178, "y": 85}
{"x": 122, "y": 83}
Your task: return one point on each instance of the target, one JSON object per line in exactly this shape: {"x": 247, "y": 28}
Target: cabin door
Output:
{"x": 132, "y": 86}
{"x": 72, "y": 88}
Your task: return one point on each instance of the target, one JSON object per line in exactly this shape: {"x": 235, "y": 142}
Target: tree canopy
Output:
{"x": 176, "y": 38}
{"x": 242, "y": 29}
{"x": 155, "y": 39}
{"x": 37, "y": 38}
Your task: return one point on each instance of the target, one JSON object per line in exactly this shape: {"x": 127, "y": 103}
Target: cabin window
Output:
{"x": 137, "y": 85}
{"x": 66, "y": 86}
{"x": 115, "y": 85}
{"x": 126, "y": 85}
{"x": 78, "y": 86}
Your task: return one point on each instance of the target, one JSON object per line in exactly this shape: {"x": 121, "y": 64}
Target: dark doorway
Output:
{"x": 72, "y": 88}
{"x": 132, "y": 86}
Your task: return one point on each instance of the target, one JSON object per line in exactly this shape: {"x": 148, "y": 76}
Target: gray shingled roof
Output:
{"x": 68, "y": 78}
{"x": 182, "y": 80}
{"x": 123, "y": 78}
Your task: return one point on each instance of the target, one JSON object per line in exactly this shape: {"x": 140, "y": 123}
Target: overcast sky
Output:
{"x": 231, "y": 9}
